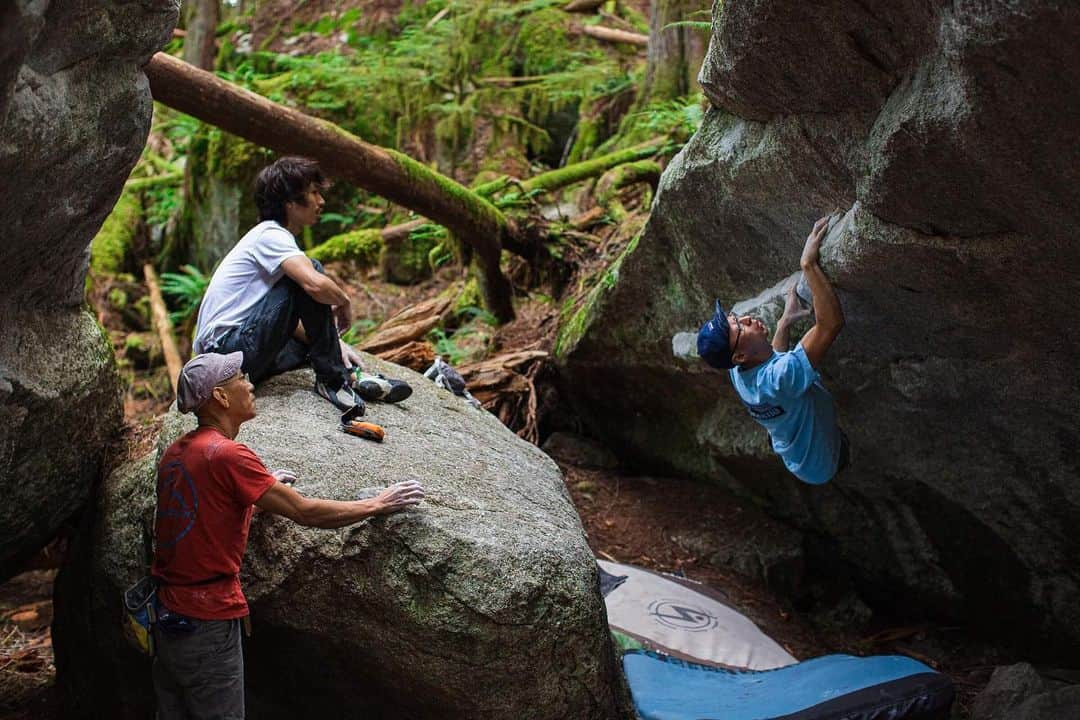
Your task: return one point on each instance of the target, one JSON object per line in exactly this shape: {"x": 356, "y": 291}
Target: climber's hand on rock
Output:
{"x": 793, "y": 310}
{"x": 284, "y": 476}
{"x": 399, "y": 496}
{"x": 812, "y": 250}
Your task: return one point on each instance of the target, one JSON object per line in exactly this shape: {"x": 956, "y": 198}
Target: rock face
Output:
{"x": 1019, "y": 692}
{"x": 483, "y": 602}
{"x": 74, "y": 115}
{"x": 948, "y": 134}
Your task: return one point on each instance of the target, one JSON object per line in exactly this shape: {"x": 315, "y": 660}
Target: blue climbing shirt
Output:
{"x": 785, "y": 395}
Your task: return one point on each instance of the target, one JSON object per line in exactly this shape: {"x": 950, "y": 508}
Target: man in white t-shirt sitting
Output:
{"x": 268, "y": 300}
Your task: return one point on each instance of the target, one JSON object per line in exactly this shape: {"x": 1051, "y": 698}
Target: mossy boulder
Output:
{"x": 75, "y": 111}
{"x": 362, "y": 247}
{"x": 482, "y": 602}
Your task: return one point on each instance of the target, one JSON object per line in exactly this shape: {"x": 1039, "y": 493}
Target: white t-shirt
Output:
{"x": 246, "y": 274}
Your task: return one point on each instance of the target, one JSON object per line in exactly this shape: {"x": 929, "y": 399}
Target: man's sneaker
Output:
{"x": 343, "y": 398}
{"x": 377, "y": 387}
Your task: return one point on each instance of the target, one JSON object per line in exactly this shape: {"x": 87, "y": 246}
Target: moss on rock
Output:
{"x": 234, "y": 159}
{"x": 110, "y": 247}
{"x": 361, "y": 246}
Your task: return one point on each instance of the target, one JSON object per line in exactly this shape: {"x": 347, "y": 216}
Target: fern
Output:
{"x": 186, "y": 288}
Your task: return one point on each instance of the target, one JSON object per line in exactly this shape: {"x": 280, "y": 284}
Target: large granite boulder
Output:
{"x": 74, "y": 115}
{"x": 958, "y": 269}
{"x": 482, "y": 602}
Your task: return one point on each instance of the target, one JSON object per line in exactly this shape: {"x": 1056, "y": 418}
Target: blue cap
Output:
{"x": 714, "y": 340}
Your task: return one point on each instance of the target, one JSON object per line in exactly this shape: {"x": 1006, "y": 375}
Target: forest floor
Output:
{"x": 628, "y": 519}
{"x": 644, "y": 521}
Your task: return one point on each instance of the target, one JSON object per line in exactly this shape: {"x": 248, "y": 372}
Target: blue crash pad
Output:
{"x": 830, "y": 687}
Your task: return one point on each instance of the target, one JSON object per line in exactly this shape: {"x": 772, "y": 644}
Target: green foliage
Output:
{"x": 357, "y": 331}
{"x": 110, "y": 247}
{"x": 232, "y": 158}
{"x": 160, "y": 202}
{"x": 445, "y": 346}
{"x": 677, "y": 119}
{"x": 448, "y": 77}
{"x": 360, "y": 246}
{"x": 473, "y": 312}
{"x": 408, "y": 261}
{"x": 465, "y": 344}
{"x": 176, "y": 126}
{"x": 186, "y": 288}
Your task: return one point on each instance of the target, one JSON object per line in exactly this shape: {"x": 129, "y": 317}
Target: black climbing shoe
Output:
{"x": 377, "y": 387}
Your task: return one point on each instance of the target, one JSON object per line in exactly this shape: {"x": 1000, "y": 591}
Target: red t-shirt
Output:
{"x": 207, "y": 487}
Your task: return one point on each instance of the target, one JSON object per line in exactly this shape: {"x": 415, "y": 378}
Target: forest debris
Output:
{"x": 31, "y": 616}
{"x": 388, "y": 338}
{"x": 438, "y": 16}
{"x": 504, "y": 390}
{"x": 411, "y": 313}
{"x": 416, "y": 355}
{"x": 163, "y": 325}
{"x": 589, "y": 218}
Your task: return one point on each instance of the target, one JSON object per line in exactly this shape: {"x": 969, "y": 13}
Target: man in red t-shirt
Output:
{"x": 208, "y": 487}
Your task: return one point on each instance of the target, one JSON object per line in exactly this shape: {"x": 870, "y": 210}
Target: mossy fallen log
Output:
{"x": 611, "y": 182}
{"x": 391, "y": 174}
{"x": 360, "y": 246}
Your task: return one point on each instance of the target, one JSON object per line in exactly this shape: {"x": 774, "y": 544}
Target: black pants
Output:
{"x": 266, "y": 337}
{"x": 200, "y": 675}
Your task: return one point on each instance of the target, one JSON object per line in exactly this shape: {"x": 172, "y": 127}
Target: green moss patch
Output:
{"x": 361, "y": 246}
{"x": 110, "y": 247}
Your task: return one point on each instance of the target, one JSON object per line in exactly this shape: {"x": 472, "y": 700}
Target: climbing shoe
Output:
{"x": 377, "y": 387}
{"x": 366, "y": 430}
{"x": 343, "y": 398}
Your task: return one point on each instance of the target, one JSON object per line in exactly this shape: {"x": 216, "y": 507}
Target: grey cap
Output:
{"x": 201, "y": 375}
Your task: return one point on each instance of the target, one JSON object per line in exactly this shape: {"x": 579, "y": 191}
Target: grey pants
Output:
{"x": 200, "y": 675}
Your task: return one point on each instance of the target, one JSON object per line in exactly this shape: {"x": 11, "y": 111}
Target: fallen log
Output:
{"x": 387, "y": 339}
{"x": 612, "y": 35}
{"x": 383, "y": 171}
{"x": 163, "y": 325}
{"x": 143, "y": 183}
{"x": 607, "y": 188}
{"x": 417, "y": 355}
{"x": 410, "y": 314}
{"x": 571, "y": 174}
{"x": 582, "y": 6}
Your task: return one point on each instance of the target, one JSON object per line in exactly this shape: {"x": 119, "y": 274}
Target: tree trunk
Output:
{"x": 675, "y": 54}
{"x": 388, "y": 173}
{"x": 202, "y": 20}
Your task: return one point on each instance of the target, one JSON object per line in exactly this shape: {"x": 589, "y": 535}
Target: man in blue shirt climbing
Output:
{"x": 781, "y": 389}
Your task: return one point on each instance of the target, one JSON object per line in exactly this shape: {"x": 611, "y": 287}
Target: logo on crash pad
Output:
{"x": 681, "y": 616}
{"x": 178, "y": 504}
